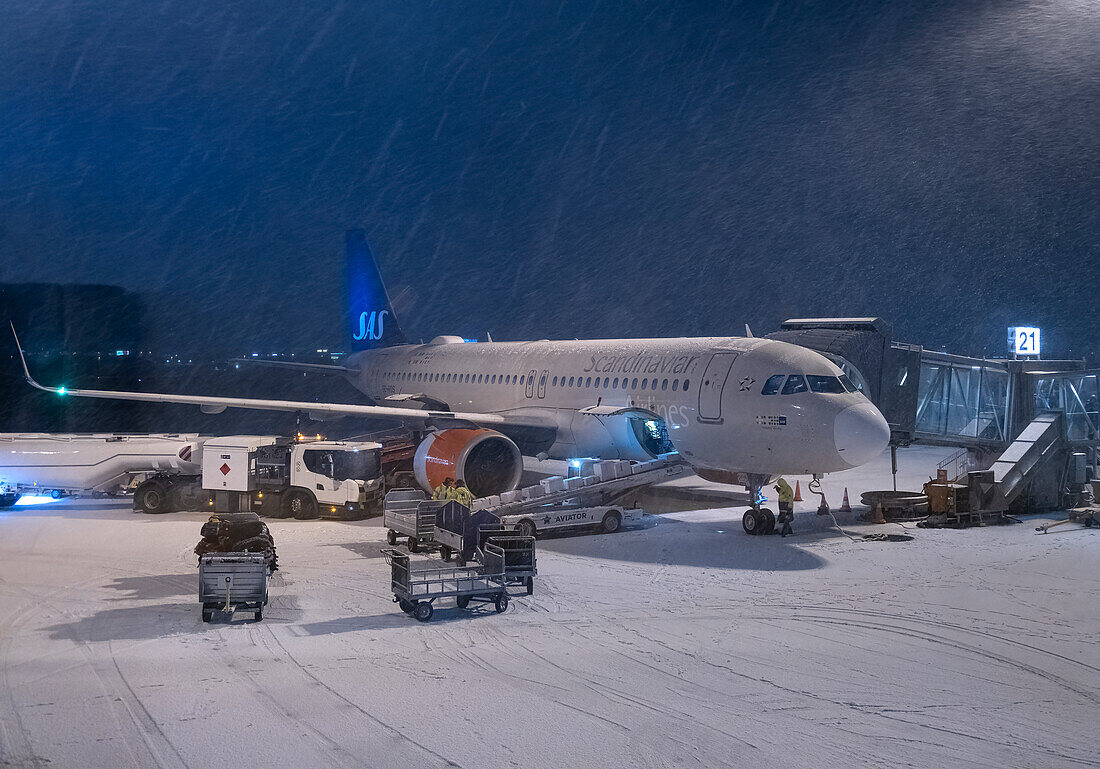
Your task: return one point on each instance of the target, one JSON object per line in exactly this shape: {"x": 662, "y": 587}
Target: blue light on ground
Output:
{"x": 33, "y": 499}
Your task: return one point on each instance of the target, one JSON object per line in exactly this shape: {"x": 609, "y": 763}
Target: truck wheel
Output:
{"x": 406, "y": 606}
{"x": 207, "y": 614}
{"x": 151, "y": 497}
{"x": 423, "y": 611}
{"x": 530, "y": 586}
{"x": 526, "y": 528}
{"x": 391, "y": 537}
{"x": 462, "y": 601}
{"x": 445, "y": 553}
{"x": 404, "y": 481}
{"x": 259, "y": 614}
{"x": 414, "y": 546}
{"x": 611, "y": 522}
{"x": 501, "y": 602}
{"x": 301, "y": 505}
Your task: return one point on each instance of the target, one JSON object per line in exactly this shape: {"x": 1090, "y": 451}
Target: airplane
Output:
{"x": 739, "y": 410}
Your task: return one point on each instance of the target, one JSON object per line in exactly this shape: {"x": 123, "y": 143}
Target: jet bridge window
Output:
{"x": 825, "y": 384}
{"x": 795, "y": 384}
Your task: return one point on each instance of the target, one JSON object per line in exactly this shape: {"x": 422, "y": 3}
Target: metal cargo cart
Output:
{"x": 519, "y": 559}
{"x": 416, "y": 591}
{"x": 460, "y": 532}
{"x": 407, "y": 513}
{"x": 231, "y": 581}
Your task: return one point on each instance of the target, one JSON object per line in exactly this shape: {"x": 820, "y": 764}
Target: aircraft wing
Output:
{"x": 217, "y": 404}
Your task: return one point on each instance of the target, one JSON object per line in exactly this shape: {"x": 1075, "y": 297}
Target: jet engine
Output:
{"x": 489, "y": 462}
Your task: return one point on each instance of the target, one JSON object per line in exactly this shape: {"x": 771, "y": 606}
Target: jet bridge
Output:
{"x": 997, "y": 412}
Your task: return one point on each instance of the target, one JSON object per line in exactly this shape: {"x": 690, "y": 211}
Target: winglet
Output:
{"x": 748, "y": 331}
{"x": 26, "y": 371}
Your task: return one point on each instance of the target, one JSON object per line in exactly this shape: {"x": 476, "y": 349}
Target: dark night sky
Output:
{"x": 561, "y": 169}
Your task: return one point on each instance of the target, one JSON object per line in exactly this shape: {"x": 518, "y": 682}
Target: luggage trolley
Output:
{"x": 519, "y": 559}
{"x": 407, "y": 513}
{"x": 416, "y": 591}
{"x": 231, "y": 581}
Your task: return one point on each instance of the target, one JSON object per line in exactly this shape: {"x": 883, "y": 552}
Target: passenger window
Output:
{"x": 795, "y": 384}
{"x": 634, "y": 384}
{"x": 653, "y": 384}
{"x": 664, "y": 384}
{"x": 675, "y": 385}
{"x": 686, "y": 383}
{"x": 606, "y": 381}
{"x": 644, "y": 383}
{"x": 825, "y": 384}
{"x": 554, "y": 382}
{"x": 588, "y": 382}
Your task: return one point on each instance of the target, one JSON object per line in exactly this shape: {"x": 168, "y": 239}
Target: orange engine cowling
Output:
{"x": 489, "y": 462}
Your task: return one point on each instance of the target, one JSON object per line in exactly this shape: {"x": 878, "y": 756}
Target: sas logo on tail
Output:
{"x": 370, "y": 325}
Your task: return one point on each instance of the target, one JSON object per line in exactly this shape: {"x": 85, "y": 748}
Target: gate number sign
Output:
{"x": 1024, "y": 340}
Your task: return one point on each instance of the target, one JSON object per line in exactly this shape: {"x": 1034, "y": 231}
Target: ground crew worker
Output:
{"x": 462, "y": 495}
{"x": 444, "y": 492}
{"x": 786, "y": 506}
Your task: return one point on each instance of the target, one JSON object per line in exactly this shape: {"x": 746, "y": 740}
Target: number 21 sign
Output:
{"x": 1024, "y": 340}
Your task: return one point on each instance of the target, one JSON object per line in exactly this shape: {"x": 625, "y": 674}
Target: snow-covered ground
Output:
{"x": 680, "y": 643}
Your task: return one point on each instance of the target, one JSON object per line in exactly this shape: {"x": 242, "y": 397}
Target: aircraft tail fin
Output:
{"x": 371, "y": 319}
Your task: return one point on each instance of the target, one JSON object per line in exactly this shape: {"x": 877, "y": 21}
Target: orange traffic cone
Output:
{"x": 797, "y": 492}
{"x": 844, "y": 506}
{"x": 877, "y": 516}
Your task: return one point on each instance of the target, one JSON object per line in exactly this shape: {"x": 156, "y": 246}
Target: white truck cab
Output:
{"x": 283, "y": 478}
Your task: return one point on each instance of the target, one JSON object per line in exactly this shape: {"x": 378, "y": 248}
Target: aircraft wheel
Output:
{"x": 767, "y": 521}
{"x": 423, "y": 611}
{"x": 750, "y": 522}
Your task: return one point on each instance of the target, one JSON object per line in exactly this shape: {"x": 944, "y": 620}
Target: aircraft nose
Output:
{"x": 860, "y": 433}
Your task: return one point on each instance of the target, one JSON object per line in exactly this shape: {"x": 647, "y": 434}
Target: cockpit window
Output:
{"x": 848, "y": 384}
{"x": 795, "y": 384}
{"x": 825, "y": 384}
{"x": 771, "y": 387}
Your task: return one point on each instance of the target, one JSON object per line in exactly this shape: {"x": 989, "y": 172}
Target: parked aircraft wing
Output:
{"x": 216, "y": 404}
{"x": 317, "y": 368}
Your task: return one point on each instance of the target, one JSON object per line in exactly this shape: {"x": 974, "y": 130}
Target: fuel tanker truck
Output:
{"x": 274, "y": 476}
{"x": 59, "y": 465}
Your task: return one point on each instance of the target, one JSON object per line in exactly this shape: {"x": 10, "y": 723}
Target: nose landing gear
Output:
{"x": 757, "y": 519}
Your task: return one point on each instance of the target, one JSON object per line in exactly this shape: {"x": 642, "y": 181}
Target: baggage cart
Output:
{"x": 415, "y": 591}
{"x": 232, "y": 581}
{"x": 407, "y": 513}
{"x": 519, "y": 559}
{"x": 461, "y": 532}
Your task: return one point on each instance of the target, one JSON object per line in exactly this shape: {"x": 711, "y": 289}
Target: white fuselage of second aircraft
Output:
{"x": 731, "y": 405}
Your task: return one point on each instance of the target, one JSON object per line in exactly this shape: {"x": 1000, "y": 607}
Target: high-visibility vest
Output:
{"x": 786, "y": 493}
{"x": 442, "y": 493}
{"x": 463, "y": 496}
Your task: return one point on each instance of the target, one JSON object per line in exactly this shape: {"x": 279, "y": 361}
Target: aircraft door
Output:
{"x": 542, "y": 383}
{"x": 531, "y": 384}
{"x": 712, "y": 384}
